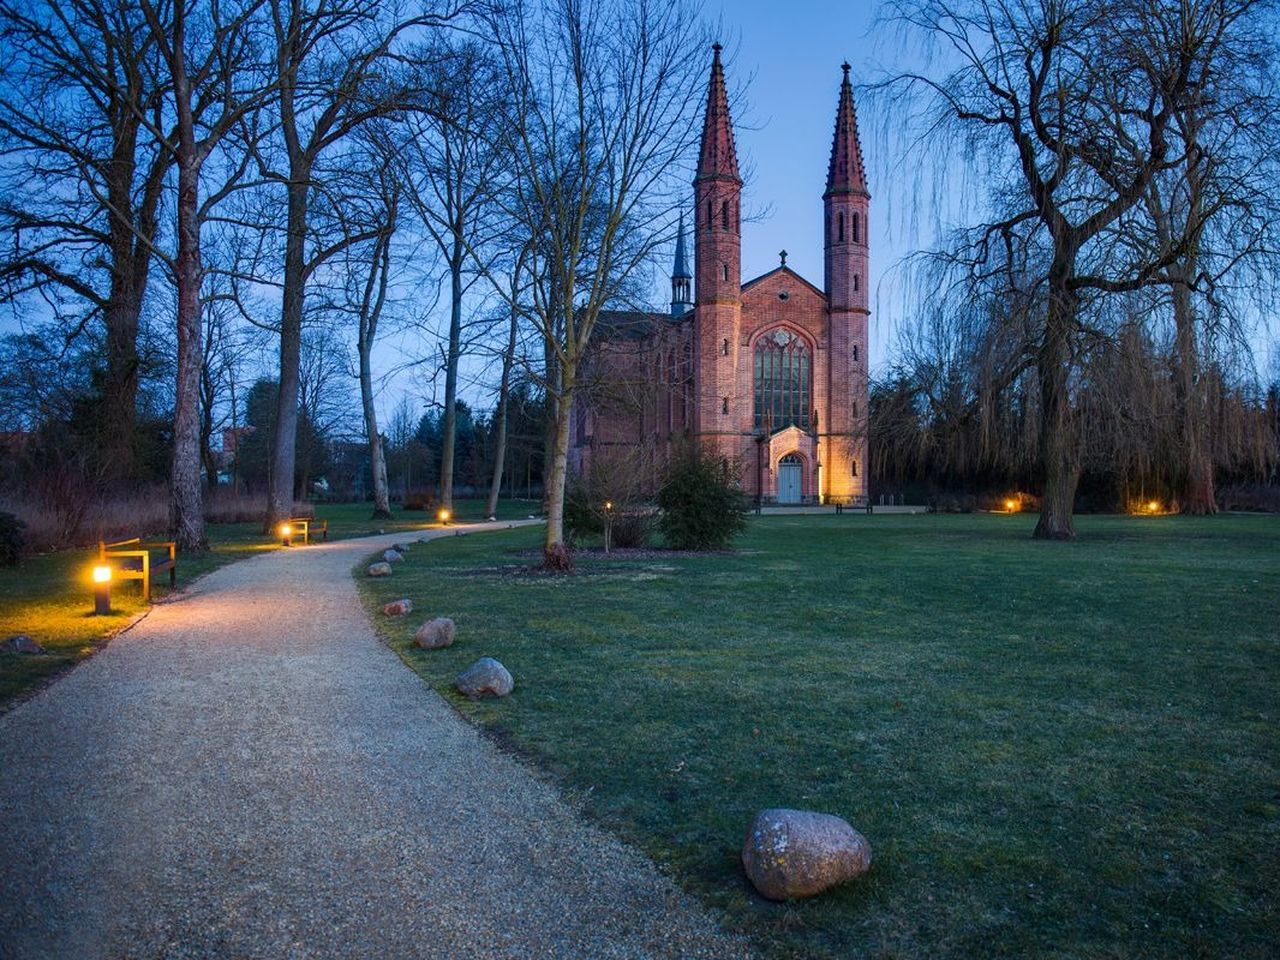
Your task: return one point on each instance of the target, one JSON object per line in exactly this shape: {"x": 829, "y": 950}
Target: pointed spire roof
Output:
{"x": 718, "y": 157}
{"x": 681, "y": 269}
{"x": 846, "y": 173}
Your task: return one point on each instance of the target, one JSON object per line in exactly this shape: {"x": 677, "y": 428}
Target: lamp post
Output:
{"x": 761, "y": 436}
{"x": 286, "y": 534}
{"x": 608, "y": 524}
{"x": 443, "y": 516}
{"x": 101, "y": 590}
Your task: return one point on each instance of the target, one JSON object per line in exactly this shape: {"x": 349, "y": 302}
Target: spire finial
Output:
{"x": 717, "y": 158}
{"x": 783, "y": 255}
{"x": 846, "y": 173}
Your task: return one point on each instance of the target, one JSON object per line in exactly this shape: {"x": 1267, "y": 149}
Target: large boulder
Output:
{"x": 392, "y": 556}
{"x": 435, "y": 634}
{"x": 798, "y": 853}
{"x": 22, "y": 644}
{"x": 379, "y": 569}
{"x": 485, "y": 678}
{"x": 398, "y": 608}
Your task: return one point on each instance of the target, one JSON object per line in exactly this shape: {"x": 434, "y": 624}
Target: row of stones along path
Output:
{"x": 249, "y": 772}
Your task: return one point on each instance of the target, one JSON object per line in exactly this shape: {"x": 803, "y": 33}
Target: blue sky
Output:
{"x": 785, "y": 75}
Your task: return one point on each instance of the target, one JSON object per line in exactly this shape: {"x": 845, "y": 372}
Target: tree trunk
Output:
{"x": 377, "y": 457}
{"x": 186, "y": 509}
{"x": 285, "y": 436}
{"x": 1196, "y": 495}
{"x": 500, "y": 438}
{"x": 550, "y": 417}
{"x": 451, "y": 373}
{"x": 1058, "y": 459}
{"x": 120, "y": 384}
{"x": 555, "y": 555}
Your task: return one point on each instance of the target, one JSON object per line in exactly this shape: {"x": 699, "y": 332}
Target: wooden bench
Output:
{"x": 853, "y": 503}
{"x": 138, "y": 565}
{"x": 308, "y": 526}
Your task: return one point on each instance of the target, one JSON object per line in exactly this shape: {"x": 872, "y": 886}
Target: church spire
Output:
{"x": 846, "y": 173}
{"x": 718, "y": 157}
{"x": 681, "y": 278}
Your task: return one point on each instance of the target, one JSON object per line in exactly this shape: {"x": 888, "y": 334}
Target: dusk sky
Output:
{"x": 785, "y": 72}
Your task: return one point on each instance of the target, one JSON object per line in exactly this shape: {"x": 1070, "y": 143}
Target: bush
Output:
{"x": 631, "y": 530}
{"x": 703, "y": 507}
{"x": 420, "y": 500}
{"x": 10, "y": 539}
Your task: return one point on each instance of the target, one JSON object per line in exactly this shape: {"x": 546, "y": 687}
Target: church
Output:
{"x": 770, "y": 374}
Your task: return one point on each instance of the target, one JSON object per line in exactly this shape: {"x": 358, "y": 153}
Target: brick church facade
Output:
{"x": 771, "y": 373}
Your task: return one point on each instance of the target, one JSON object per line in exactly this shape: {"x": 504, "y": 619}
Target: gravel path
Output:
{"x": 248, "y": 772}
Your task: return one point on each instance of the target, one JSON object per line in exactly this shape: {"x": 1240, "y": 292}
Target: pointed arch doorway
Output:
{"x": 789, "y": 473}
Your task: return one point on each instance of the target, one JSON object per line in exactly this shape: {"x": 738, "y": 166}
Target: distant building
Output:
{"x": 771, "y": 373}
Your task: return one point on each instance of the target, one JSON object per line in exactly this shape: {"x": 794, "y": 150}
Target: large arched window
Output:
{"x": 782, "y": 381}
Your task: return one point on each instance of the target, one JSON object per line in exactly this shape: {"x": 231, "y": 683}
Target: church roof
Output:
{"x": 790, "y": 273}
{"x": 718, "y": 156}
{"x": 628, "y": 324}
{"x": 846, "y": 173}
{"x": 681, "y": 270}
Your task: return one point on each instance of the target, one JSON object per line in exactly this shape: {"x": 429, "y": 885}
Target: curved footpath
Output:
{"x": 249, "y": 772}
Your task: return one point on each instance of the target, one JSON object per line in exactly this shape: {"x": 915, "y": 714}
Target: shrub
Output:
{"x": 10, "y": 539}
{"x": 703, "y": 507}
{"x": 631, "y": 530}
{"x": 420, "y": 500}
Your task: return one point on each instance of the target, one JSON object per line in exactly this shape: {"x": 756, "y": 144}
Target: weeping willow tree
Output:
{"x": 1067, "y": 114}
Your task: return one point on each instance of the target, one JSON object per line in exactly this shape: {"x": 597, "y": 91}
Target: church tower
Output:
{"x": 681, "y": 279}
{"x": 846, "y": 202}
{"x": 717, "y": 190}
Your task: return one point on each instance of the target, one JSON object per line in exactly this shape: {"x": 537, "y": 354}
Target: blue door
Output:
{"x": 789, "y": 479}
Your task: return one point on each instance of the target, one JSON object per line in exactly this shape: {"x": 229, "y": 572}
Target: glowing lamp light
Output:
{"x": 101, "y": 590}
{"x": 444, "y": 516}
{"x": 1011, "y": 505}
{"x": 608, "y": 504}
{"x": 286, "y": 534}
{"x": 1153, "y": 506}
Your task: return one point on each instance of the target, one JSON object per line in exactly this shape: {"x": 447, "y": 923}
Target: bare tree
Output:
{"x": 372, "y": 300}
{"x": 603, "y": 99}
{"x": 453, "y": 171}
{"x": 336, "y": 69}
{"x": 1067, "y": 109}
{"x": 213, "y": 86}
{"x": 83, "y": 178}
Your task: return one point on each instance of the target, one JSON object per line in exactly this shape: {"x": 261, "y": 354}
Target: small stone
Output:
{"x": 435, "y": 634}
{"x": 379, "y": 569}
{"x": 22, "y": 644}
{"x": 391, "y": 556}
{"x": 398, "y": 608}
{"x": 485, "y": 678}
{"x": 400, "y": 547}
{"x": 798, "y": 853}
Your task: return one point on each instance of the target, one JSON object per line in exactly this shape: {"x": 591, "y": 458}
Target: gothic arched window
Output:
{"x": 782, "y": 381}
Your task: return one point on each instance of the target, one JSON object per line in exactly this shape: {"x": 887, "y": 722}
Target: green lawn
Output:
{"x": 1056, "y": 750}
{"x": 49, "y": 597}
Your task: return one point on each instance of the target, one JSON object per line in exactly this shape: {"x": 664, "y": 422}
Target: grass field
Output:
{"x": 1056, "y": 750}
{"x": 49, "y": 596}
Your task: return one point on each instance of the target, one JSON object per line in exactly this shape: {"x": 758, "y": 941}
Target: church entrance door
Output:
{"x": 789, "y": 479}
